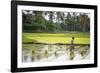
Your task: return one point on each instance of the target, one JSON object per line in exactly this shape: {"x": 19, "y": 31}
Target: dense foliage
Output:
{"x": 48, "y": 21}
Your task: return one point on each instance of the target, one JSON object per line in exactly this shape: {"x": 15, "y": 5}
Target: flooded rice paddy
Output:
{"x": 54, "y": 52}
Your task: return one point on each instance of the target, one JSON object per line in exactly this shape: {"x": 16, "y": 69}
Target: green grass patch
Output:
{"x": 80, "y": 38}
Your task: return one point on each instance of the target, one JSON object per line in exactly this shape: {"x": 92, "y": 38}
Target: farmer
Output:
{"x": 72, "y": 49}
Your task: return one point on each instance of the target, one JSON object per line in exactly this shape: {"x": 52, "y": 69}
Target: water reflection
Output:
{"x": 42, "y": 52}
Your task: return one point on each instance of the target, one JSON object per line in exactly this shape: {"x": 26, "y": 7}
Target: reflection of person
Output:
{"x": 72, "y": 47}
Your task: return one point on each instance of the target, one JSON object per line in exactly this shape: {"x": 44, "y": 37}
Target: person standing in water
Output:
{"x": 72, "y": 47}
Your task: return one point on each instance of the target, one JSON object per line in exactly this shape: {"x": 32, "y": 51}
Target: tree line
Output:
{"x": 51, "y": 21}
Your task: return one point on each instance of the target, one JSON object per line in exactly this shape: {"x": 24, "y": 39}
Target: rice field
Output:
{"x": 80, "y": 38}
{"x": 41, "y": 52}
{"x": 51, "y": 51}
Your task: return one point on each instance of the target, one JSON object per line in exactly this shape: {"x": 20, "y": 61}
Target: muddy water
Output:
{"x": 41, "y": 52}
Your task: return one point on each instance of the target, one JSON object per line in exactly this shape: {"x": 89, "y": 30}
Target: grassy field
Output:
{"x": 80, "y": 38}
